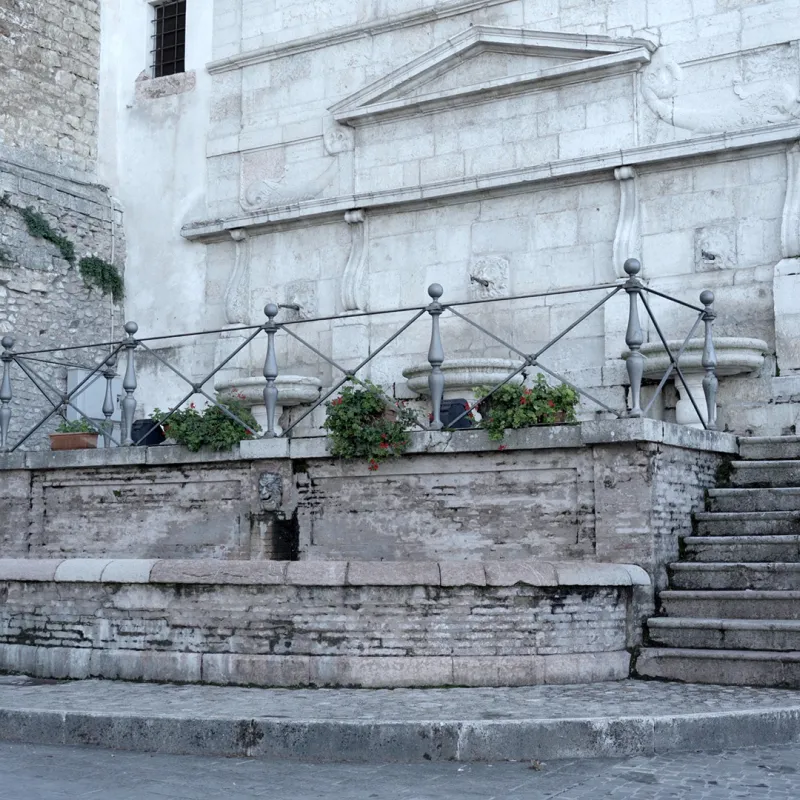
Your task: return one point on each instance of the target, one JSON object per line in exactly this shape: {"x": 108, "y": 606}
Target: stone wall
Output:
{"x": 339, "y": 624}
{"x": 365, "y": 150}
{"x": 49, "y": 59}
{"x": 620, "y": 491}
{"x": 44, "y": 302}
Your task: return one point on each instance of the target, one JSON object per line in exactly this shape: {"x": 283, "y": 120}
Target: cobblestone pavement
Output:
{"x": 598, "y": 700}
{"x": 30, "y": 772}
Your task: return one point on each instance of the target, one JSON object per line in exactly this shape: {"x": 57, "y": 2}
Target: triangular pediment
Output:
{"x": 490, "y": 60}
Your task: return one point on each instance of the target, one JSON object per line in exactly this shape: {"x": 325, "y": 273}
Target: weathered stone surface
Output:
{"x": 246, "y": 628}
{"x": 219, "y": 572}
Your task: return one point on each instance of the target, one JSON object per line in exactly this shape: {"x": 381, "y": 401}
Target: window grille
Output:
{"x": 169, "y": 38}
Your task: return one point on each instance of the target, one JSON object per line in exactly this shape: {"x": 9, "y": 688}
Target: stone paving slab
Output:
{"x": 36, "y": 772}
{"x": 541, "y": 722}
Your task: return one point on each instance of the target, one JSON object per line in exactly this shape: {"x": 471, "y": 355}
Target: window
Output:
{"x": 169, "y": 38}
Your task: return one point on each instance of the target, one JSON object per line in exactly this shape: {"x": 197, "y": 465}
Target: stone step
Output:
{"x": 765, "y": 473}
{"x": 733, "y": 667}
{"x": 735, "y": 549}
{"x": 770, "y": 576}
{"x": 747, "y": 523}
{"x": 728, "y": 634}
{"x": 731, "y": 604}
{"x": 772, "y": 499}
{"x": 769, "y": 447}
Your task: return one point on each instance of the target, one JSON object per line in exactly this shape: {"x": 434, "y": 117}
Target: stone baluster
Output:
{"x": 634, "y": 336}
{"x": 270, "y": 370}
{"x": 129, "y": 384}
{"x": 436, "y": 356}
{"x": 5, "y": 391}
{"x": 709, "y": 360}
{"x": 109, "y": 373}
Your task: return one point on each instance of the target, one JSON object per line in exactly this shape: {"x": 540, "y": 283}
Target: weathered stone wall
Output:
{"x": 355, "y": 623}
{"x": 44, "y": 302}
{"x": 218, "y": 509}
{"x": 49, "y": 60}
{"x": 619, "y": 492}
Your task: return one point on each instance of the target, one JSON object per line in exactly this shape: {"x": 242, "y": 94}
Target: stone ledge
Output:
{"x": 322, "y": 573}
{"x": 368, "y": 672}
{"x": 601, "y": 432}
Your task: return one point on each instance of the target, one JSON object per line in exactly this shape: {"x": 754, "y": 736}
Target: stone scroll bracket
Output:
{"x": 355, "y": 270}
{"x": 237, "y": 290}
{"x": 628, "y": 237}
{"x": 786, "y": 277}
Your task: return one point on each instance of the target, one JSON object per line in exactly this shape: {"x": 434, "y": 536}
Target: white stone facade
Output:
{"x": 347, "y": 154}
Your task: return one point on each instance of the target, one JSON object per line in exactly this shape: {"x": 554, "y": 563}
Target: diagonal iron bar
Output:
{"x": 470, "y": 408}
{"x": 312, "y": 348}
{"x": 227, "y": 412}
{"x": 35, "y": 381}
{"x": 64, "y": 399}
{"x": 351, "y": 373}
{"x": 672, "y": 299}
{"x": 675, "y": 364}
{"x": 561, "y": 378}
{"x": 671, "y": 367}
{"x": 488, "y": 333}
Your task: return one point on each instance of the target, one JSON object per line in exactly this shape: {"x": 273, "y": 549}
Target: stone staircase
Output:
{"x": 731, "y": 614}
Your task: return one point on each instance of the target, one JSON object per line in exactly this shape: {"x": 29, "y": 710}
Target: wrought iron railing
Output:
{"x": 128, "y": 347}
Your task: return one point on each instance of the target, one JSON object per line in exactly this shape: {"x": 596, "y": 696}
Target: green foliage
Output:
{"x": 517, "y": 406}
{"x": 362, "y": 424}
{"x": 39, "y": 227}
{"x": 102, "y": 275}
{"x": 210, "y": 428}
{"x": 76, "y": 426}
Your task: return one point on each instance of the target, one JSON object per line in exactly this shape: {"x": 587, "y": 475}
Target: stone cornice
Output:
{"x": 591, "y": 54}
{"x": 348, "y": 34}
{"x": 507, "y": 181}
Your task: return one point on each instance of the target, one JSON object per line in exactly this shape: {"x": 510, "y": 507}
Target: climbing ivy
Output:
{"x": 102, "y": 275}
{"x": 39, "y": 227}
{"x": 94, "y": 271}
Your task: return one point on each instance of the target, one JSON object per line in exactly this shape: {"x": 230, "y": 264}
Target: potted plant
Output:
{"x": 76, "y": 435}
{"x": 362, "y": 423}
{"x": 515, "y": 406}
{"x": 210, "y": 428}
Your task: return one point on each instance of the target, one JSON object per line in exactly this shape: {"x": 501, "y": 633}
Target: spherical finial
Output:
{"x": 632, "y": 266}
{"x": 8, "y": 342}
{"x": 271, "y": 310}
{"x": 707, "y": 297}
{"x": 111, "y": 361}
{"x": 131, "y": 328}
{"x": 435, "y": 291}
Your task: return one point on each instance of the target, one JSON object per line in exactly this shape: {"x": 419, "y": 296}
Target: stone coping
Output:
{"x": 322, "y": 573}
{"x": 547, "y": 437}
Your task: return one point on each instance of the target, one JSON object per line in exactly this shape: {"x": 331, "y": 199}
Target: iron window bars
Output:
{"x": 169, "y": 38}
{"x": 634, "y": 338}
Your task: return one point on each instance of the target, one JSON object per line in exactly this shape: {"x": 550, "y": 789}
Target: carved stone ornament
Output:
{"x": 628, "y": 237}
{"x": 292, "y": 187}
{"x": 237, "y": 290}
{"x": 355, "y": 269}
{"x": 790, "y": 224}
{"x": 745, "y": 108}
{"x": 488, "y": 278}
{"x": 338, "y": 138}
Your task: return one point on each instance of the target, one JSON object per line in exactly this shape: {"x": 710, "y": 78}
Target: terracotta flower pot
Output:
{"x": 73, "y": 441}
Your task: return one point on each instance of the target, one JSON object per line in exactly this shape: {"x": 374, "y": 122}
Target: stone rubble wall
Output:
{"x": 49, "y": 60}
{"x": 356, "y": 623}
{"x": 44, "y": 302}
{"x": 49, "y": 112}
